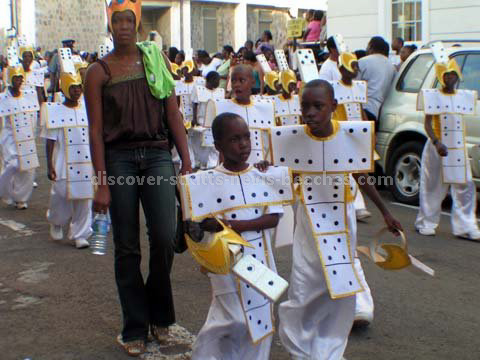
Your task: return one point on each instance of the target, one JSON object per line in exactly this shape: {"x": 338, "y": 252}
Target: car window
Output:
{"x": 414, "y": 75}
{"x": 460, "y": 60}
{"x": 471, "y": 73}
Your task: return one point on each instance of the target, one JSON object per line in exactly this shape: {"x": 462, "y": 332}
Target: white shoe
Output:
{"x": 363, "y": 319}
{"x": 426, "y": 232}
{"x": 8, "y": 202}
{"x": 22, "y": 206}
{"x": 471, "y": 235}
{"x": 81, "y": 243}
{"x": 35, "y": 184}
{"x": 56, "y": 232}
{"x": 362, "y": 214}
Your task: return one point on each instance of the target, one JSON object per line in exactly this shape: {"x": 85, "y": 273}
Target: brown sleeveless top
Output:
{"x": 132, "y": 117}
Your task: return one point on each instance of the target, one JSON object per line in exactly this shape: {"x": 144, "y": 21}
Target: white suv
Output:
{"x": 401, "y": 134}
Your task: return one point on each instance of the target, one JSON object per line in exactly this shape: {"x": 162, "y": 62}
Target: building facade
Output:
{"x": 417, "y": 21}
{"x": 206, "y": 24}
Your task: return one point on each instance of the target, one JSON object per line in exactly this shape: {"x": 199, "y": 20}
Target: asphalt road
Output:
{"x": 57, "y": 302}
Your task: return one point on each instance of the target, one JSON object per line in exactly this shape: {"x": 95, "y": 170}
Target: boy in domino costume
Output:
{"x": 445, "y": 162}
{"x": 65, "y": 126}
{"x": 287, "y": 105}
{"x": 350, "y": 95}
{"x": 34, "y": 76}
{"x": 202, "y": 140}
{"x": 240, "y": 321}
{"x": 18, "y": 108}
{"x": 258, "y": 113}
{"x": 317, "y": 318}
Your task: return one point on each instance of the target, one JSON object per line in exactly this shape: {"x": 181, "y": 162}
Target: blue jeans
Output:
{"x": 143, "y": 175}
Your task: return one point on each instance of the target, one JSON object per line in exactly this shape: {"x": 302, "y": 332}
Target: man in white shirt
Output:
{"x": 329, "y": 70}
{"x": 379, "y": 73}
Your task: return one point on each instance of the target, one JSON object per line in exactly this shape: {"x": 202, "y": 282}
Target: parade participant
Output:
{"x": 350, "y": 95}
{"x": 250, "y": 59}
{"x": 224, "y": 69}
{"x": 34, "y": 78}
{"x": 133, "y": 112}
{"x": 445, "y": 162}
{"x": 19, "y": 109}
{"x": 68, "y": 152}
{"x": 202, "y": 142}
{"x": 317, "y": 318}
{"x": 287, "y": 105}
{"x": 54, "y": 66}
{"x": 240, "y": 321}
{"x": 259, "y": 113}
{"x": 329, "y": 70}
{"x": 272, "y": 83}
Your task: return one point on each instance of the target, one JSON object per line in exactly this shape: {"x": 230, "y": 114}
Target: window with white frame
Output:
{"x": 210, "y": 29}
{"x": 407, "y": 19}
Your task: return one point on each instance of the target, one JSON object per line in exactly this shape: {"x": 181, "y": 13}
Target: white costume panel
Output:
{"x": 184, "y": 91}
{"x": 287, "y": 111}
{"x": 454, "y": 171}
{"x": 202, "y": 140}
{"x": 259, "y": 116}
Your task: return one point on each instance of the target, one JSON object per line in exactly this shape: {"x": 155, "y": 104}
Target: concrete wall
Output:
{"x": 278, "y": 27}
{"x": 82, "y": 20}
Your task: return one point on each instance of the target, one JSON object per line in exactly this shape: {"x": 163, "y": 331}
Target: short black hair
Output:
{"x": 250, "y": 56}
{"x": 212, "y": 76}
{"x": 172, "y": 53}
{"x": 379, "y": 45}
{"x": 318, "y": 15}
{"x": 220, "y": 122}
{"x": 202, "y": 54}
{"x": 323, "y": 84}
{"x": 228, "y": 49}
{"x": 242, "y": 67}
{"x": 268, "y": 33}
{"x": 360, "y": 53}
{"x": 331, "y": 44}
{"x": 399, "y": 39}
{"x": 249, "y": 42}
{"x": 181, "y": 53}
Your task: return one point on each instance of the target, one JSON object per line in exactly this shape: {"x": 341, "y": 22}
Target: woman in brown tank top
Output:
{"x": 129, "y": 135}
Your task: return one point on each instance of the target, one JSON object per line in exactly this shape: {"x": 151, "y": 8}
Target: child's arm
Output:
{"x": 441, "y": 148}
{"x": 392, "y": 223}
{"x": 51, "y": 168}
{"x": 195, "y": 114}
{"x": 263, "y": 222}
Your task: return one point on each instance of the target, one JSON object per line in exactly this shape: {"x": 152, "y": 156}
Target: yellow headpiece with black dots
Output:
{"x": 125, "y": 5}
{"x": 13, "y": 71}
{"x": 444, "y": 64}
{"x": 270, "y": 79}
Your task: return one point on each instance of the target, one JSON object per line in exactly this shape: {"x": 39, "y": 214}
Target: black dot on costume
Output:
{"x": 309, "y": 189}
{"x": 324, "y": 216}
{"x": 270, "y": 283}
{"x": 259, "y": 322}
{"x": 312, "y": 210}
{"x": 335, "y": 207}
{"x": 329, "y": 258}
{"x": 350, "y": 283}
{"x": 279, "y": 133}
{"x": 350, "y": 161}
{"x": 297, "y": 161}
{"x": 294, "y": 131}
{"x": 334, "y": 272}
{"x": 219, "y": 200}
{"x": 282, "y": 159}
{"x": 310, "y": 162}
{"x": 364, "y": 160}
{"x": 250, "y": 268}
{"x": 249, "y": 302}
{"x": 335, "y": 161}
{"x": 234, "y": 216}
{"x": 265, "y": 193}
{"x": 344, "y": 257}
{"x": 350, "y": 131}
{"x": 232, "y": 197}
{"x": 365, "y": 130}
{"x": 254, "y": 195}
{"x": 324, "y": 241}
{"x": 281, "y": 191}
{"x": 200, "y": 205}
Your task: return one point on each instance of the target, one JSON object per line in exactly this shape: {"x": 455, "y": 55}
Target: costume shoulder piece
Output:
{"x": 286, "y": 107}
{"x": 27, "y": 102}
{"x": 203, "y": 94}
{"x": 347, "y": 94}
{"x": 349, "y": 149}
{"x": 183, "y": 88}
{"x": 435, "y": 102}
{"x": 212, "y": 192}
{"x": 60, "y": 116}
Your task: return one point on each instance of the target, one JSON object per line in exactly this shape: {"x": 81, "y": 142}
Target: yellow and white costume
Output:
{"x": 18, "y": 140}
{"x": 316, "y": 319}
{"x": 240, "y": 321}
{"x": 72, "y": 191}
{"x": 202, "y": 139}
{"x": 453, "y": 171}
{"x": 287, "y": 111}
{"x": 259, "y": 116}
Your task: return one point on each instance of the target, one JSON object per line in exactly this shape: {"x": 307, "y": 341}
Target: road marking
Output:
{"x": 20, "y": 228}
{"x": 416, "y": 208}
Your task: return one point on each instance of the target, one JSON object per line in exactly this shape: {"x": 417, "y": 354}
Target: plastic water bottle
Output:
{"x": 98, "y": 243}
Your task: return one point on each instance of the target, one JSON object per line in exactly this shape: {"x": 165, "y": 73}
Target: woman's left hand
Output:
{"x": 186, "y": 169}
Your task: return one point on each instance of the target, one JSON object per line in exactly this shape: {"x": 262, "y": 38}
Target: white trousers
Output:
{"x": 433, "y": 191}
{"x": 312, "y": 325}
{"x": 364, "y": 300}
{"x": 15, "y": 185}
{"x": 359, "y": 201}
{"x": 206, "y": 157}
{"x": 62, "y": 211}
{"x": 225, "y": 335}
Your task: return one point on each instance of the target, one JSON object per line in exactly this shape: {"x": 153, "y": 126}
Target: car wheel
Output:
{"x": 404, "y": 168}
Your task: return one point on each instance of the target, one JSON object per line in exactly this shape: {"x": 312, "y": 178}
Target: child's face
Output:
{"x": 317, "y": 108}
{"x": 178, "y": 59}
{"x": 235, "y": 144}
{"x": 214, "y": 83}
{"x": 292, "y": 87}
{"x": 450, "y": 79}
{"x": 17, "y": 82}
{"x": 347, "y": 74}
{"x": 242, "y": 83}
{"x": 75, "y": 92}
{"x": 405, "y": 53}
{"x": 278, "y": 86}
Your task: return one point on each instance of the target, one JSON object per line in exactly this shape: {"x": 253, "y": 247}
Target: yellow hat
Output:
{"x": 189, "y": 64}
{"x": 270, "y": 79}
{"x": 287, "y": 77}
{"x": 215, "y": 256}
{"x": 346, "y": 60}
{"x": 452, "y": 66}
{"x": 67, "y": 80}
{"x": 124, "y": 5}
{"x": 24, "y": 49}
{"x": 174, "y": 68}
{"x": 13, "y": 71}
